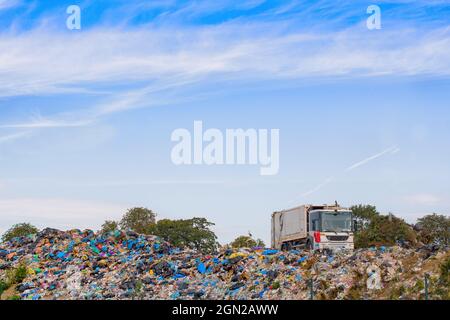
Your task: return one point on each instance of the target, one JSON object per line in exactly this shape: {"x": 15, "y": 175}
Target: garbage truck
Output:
{"x": 314, "y": 227}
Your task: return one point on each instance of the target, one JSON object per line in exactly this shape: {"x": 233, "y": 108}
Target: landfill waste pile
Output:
{"x": 83, "y": 265}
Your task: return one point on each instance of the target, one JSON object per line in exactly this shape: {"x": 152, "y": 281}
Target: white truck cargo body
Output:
{"x": 289, "y": 225}
{"x": 316, "y": 227}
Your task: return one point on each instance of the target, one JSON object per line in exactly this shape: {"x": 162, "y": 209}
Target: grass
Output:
{"x": 13, "y": 277}
{"x": 16, "y": 275}
{"x": 445, "y": 271}
{"x": 3, "y": 287}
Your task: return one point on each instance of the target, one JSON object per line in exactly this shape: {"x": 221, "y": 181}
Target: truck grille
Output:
{"x": 337, "y": 238}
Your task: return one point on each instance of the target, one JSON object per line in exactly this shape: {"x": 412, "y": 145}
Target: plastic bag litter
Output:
{"x": 79, "y": 264}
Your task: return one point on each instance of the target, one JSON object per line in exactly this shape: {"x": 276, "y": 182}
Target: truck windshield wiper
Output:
{"x": 330, "y": 230}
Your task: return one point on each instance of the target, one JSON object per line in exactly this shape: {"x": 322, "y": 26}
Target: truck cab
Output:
{"x": 330, "y": 229}
{"x": 316, "y": 227}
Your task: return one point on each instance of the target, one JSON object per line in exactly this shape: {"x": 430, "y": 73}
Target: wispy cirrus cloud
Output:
{"x": 43, "y": 62}
{"x": 7, "y": 4}
{"x": 99, "y": 59}
{"x": 135, "y": 66}
{"x": 14, "y": 136}
{"x": 43, "y": 123}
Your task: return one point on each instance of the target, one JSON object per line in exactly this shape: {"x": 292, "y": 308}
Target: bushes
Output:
{"x": 441, "y": 285}
{"x": 375, "y": 229}
{"x": 19, "y": 230}
{"x": 191, "y": 233}
{"x": 138, "y": 219}
{"x": 16, "y": 275}
{"x": 246, "y": 242}
{"x": 109, "y": 226}
{"x": 13, "y": 276}
{"x": 20, "y": 273}
{"x": 385, "y": 230}
{"x": 434, "y": 228}
{"x": 445, "y": 271}
{"x": 3, "y": 286}
{"x": 363, "y": 214}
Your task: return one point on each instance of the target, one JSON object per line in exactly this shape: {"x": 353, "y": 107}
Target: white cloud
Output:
{"x": 422, "y": 199}
{"x": 7, "y": 4}
{"x": 14, "y": 136}
{"x": 42, "y": 61}
{"x": 58, "y": 213}
{"x": 136, "y": 67}
{"x": 45, "y": 123}
{"x": 141, "y": 65}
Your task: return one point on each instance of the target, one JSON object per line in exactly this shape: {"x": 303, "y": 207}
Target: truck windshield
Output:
{"x": 337, "y": 221}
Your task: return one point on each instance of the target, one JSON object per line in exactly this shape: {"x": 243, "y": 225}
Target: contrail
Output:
{"x": 317, "y": 188}
{"x": 320, "y": 186}
{"x": 392, "y": 149}
{"x": 14, "y": 136}
{"x": 43, "y": 123}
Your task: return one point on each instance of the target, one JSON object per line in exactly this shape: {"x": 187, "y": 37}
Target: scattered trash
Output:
{"x": 374, "y": 278}
{"x": 124, "y": 265}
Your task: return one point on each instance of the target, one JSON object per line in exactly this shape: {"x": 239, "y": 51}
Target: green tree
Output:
{"x": 434, "y": 228}
{"x": 138, "y": 219}
{"x": 260, "y": 243}
{"x": 192, "y": 233}
{"x": 385, "y": 230}
{"x": 243, "y": 242}
{"x": 363, "y": 214}
{"x": 246, "y": 242}
{"x": 109, "y": 226}
{"x": 19, "y": 230}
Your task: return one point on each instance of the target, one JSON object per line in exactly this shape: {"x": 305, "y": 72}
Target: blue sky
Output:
{"x": 86, "y": 115}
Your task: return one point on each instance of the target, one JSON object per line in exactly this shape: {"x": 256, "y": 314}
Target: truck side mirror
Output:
{"x": 355, "y": 225}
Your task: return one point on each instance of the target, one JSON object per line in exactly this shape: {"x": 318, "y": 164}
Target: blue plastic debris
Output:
{"x": 60, "y": 255}
{"x": 201, "y": 268}
{"x": 269, "y": 252}
{"x": 175, "y": 295}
